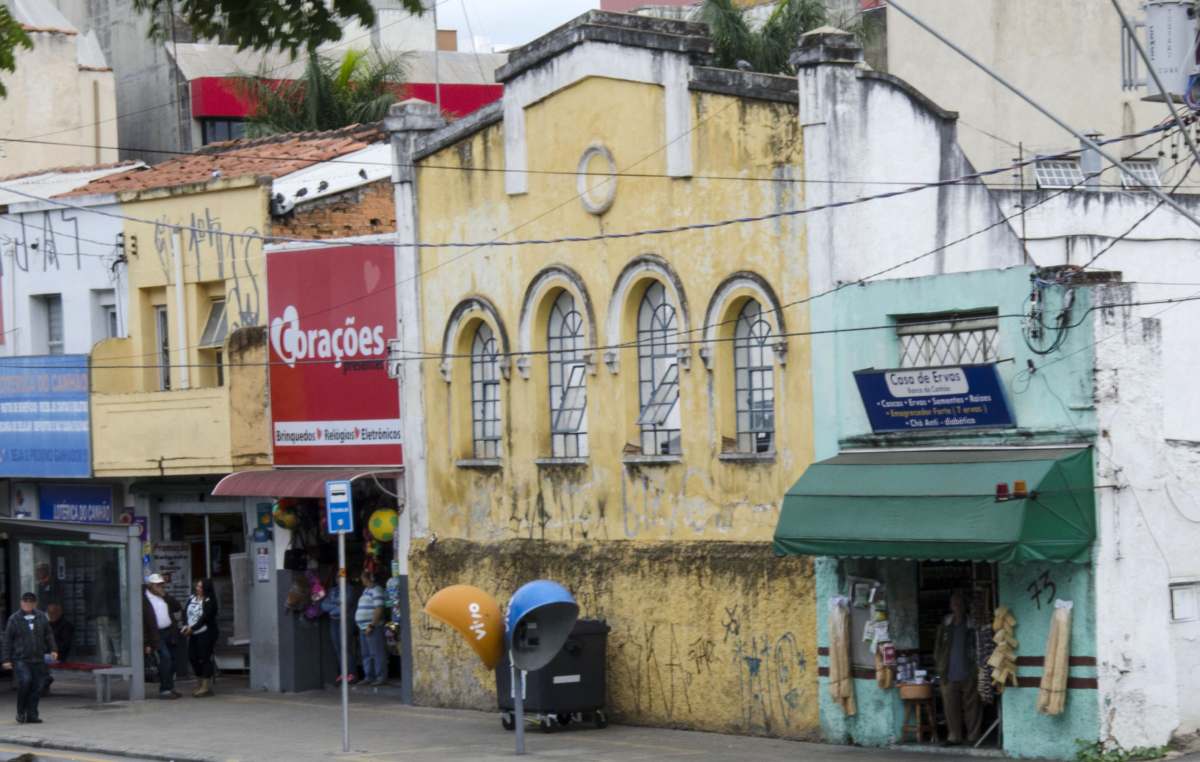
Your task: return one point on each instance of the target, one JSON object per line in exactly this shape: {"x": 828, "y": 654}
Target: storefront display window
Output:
{"x": 82, "y": 587}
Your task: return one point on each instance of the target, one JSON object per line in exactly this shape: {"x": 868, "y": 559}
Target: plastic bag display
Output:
{"x": 841, "y": 684}
{"x": 1052, "y": 695}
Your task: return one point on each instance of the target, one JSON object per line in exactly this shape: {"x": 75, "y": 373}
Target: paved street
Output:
{"x": 239, "y": 724}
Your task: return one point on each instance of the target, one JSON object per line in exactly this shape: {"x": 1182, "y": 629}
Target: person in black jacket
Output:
{"x": 202, "y": 627}
{"x": 160, "y": 631}
{"x": 23, "y": 648}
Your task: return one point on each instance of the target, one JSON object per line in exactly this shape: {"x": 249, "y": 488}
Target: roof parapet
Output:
{"x": 633, "y": 30}
{"x": 826, "y": 45}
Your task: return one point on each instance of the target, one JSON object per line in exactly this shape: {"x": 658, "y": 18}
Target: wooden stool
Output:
{"x": 924, "y": 719}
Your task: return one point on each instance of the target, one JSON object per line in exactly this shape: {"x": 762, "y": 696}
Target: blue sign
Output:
{"x": 924, "y": 399}
{"x": 339, "y": 509}
{"x": 44, "y": 416}
{"x": 77, "y": 503}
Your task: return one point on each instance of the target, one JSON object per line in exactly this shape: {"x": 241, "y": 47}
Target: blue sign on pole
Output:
{"x": 44, "y": 416}
{"x": 77, "y": 503}
{"x": 339, "y": 509}
{"x": 924, "y": 399}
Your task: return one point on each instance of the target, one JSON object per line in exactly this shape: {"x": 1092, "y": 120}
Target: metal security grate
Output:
{"x": 485, "y": 393}
{"x": 1142, "y": 174}
{"x": 1058, "y": 173}
{"x": 956, "y": 342}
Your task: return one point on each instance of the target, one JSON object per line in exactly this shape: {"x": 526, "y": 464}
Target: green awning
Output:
{"x": 941, "y": 505}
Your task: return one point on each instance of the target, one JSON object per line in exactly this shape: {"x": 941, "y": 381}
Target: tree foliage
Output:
{"x": 333, "y": 93}
{"x": 289, "y": 25}
{"x": 767, "y": 46}
{"x": 12, "y": 36}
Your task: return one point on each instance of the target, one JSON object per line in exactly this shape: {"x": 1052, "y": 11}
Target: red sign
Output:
{"x": 331, "y": 312}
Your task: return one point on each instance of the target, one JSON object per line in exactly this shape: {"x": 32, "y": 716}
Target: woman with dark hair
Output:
{"x": 202, "y": 627}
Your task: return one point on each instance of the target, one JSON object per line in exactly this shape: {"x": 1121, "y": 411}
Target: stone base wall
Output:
{"x": 714, "y": 636}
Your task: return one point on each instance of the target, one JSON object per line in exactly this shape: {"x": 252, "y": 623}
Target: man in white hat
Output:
{"x": 161, "y": 633}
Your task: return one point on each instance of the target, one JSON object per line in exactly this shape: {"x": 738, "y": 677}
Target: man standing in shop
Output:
{"x": 954, "y": 654}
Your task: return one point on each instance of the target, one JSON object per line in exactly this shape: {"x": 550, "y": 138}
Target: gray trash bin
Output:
{"x": 571, "y": 687}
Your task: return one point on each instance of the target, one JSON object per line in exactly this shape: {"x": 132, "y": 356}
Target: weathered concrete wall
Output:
{"x": 50, "y": 98}
{"x": 710, "y": 636}
{"x": 249, "y": 398}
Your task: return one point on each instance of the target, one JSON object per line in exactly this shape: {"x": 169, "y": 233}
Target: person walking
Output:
{"x": 954, "y": 656}
{"x": 369, "y": 616}
{"x": 23, "y": 648}
{"x": 332, "y": 605}
{"x": 64, "y": 637}
{"x": 159, "y": 612}
{"x": 202, "y": 628}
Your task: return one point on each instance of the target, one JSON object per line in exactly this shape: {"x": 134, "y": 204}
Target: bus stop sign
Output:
{"x": 339, "y": 512}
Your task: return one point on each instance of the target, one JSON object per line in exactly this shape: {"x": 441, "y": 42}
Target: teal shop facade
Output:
{"x": 1053, "y": 398}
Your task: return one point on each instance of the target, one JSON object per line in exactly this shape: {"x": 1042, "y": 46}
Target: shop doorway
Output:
{"x": 937, "y": 582}
{"x": 215, "y": 545}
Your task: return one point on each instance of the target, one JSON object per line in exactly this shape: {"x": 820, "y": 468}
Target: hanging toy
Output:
{"x": 374, "y": 548}
{"x": 284, "y": 514}
{"x": 383, "y": 524}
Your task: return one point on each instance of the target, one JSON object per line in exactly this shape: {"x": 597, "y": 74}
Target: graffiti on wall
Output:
{"x": 215, "y": 254}
{"x": 47, "y": 241}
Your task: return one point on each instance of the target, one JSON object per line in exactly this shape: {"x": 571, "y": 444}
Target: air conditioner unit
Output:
{"x": 1171, "y": 43}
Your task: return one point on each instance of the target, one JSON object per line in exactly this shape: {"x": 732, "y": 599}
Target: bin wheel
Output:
{"x": 563, "y": 719}
{"x": 601, "y": 719}
{"x": 508, "y": 721}
{"x": 547, "y": 724}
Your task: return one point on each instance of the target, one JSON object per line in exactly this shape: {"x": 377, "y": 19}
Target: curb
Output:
{"x": 38, "y": 743}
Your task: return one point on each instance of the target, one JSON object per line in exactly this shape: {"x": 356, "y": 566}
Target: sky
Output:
{"x": 509, "y": 22}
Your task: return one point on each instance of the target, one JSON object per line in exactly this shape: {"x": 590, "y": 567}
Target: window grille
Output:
{"x": 568, "y": 382}
{"x": 658, "y": 373}
{"x": 164, "y": 348}
{"x": 754, "y": 380}
{"x": 1143, "y": 174}
{"x": 952, "y": 342}
{"x": 1058, "y": 173}
{"x": 54, "y": 324}
{"x": 485, "y": 393}
{"x": 217, "y": 327}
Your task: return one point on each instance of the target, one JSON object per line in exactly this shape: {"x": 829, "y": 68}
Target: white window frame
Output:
{"x": 216, "y": 328}
{"x": 54, "y": 302}
{"x": 1184, "y": 604}
{"x": 1145, "y": 174}
{"x": 486, "y": 417}
{"x": 1059, "y": 173}
{"x": 658, "y": 373}
{"x": 112, "y": 322}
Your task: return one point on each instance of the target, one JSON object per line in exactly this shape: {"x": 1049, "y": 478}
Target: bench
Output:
{"x": 103, "y": 673}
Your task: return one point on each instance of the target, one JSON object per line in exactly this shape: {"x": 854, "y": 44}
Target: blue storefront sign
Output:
{"x": 44, "y": 416}
{"x": 77, "y": 503}
{"x": 921, "y": 399}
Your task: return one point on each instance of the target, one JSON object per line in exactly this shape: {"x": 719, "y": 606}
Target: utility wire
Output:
{"x": 625, "y": 345}
{"x": 1082, "y": 138}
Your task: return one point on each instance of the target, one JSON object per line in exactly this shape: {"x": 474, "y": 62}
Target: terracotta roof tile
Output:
{"x": 275, "y": 155}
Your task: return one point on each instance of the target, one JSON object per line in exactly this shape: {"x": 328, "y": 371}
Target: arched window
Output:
{"x": 485, "y": 393}
{"x": 568, "y": 379}
{"x": 754, "y": 380}
{"x": 658, "y": 373}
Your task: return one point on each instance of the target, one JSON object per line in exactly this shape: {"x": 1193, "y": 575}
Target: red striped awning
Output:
{"x": 293, "y": 482}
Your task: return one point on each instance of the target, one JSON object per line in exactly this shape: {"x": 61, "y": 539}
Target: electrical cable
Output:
{"x": 626, "y": 345}
{"x": 574, "y": 239}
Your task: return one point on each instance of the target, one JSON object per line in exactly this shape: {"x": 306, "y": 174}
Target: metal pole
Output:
{"x": 519, "y": 707}
{"x": 1081, "y": 137}
{"x": 437, "y": 48}
{"x": 207, "y": 550}
{"x": 1150, "y": 67}
{"x": 180, "y": 311}
{"x": 345, "y": 645}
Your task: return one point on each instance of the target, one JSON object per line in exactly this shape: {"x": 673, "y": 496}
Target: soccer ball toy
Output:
{"x": 383, "y": 524}
{"x": 284, "y": 514}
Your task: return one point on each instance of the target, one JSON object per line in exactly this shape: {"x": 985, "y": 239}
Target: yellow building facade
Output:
{"x": 186, "y": 392}
{"x": 622, "y": 415}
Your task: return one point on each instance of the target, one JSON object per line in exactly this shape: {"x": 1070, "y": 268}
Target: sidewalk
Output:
{"x": 240, "y": 725}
